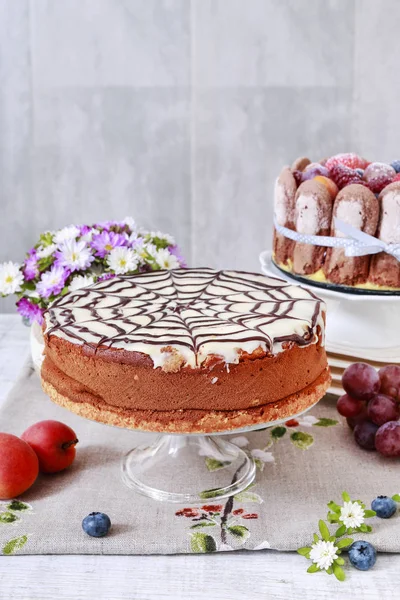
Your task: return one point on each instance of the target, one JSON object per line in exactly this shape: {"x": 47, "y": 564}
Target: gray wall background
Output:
{"x": 181, "y": 112}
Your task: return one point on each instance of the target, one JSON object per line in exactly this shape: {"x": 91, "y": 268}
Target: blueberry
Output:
{"x": 359, "y": 171}
{"x": 362, "y": 555}
{"x": 396, "y": 165}
{"x": 384, "y": 507}
{"x": 96, "y": 524}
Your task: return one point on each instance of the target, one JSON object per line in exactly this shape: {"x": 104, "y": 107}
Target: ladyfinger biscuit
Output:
{"x": 356, "y": 205}
{"x": 385, "y": 268}
{"x": 313, "y": 211}
{"x": 300, "y": 163}
{"x": 284, "y": 195}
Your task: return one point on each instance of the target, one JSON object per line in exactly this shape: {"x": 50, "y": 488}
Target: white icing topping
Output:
{"x": 191, "y": 313}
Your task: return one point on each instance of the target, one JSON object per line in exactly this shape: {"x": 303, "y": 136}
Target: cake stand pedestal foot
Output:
{"x": 188, "y": 469}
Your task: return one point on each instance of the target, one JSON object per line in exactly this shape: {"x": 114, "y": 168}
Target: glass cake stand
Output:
{"x": 192, "y": 468}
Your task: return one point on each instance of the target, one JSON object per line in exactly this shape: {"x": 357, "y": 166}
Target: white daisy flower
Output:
{"x": 323, "y": 554}
{"x": 44, "y": 252}
{"x": 130, "y": 221}
{"x": 80, "y": 281}
{"x": 87, "y": 237}
{"x": 307, "y": 421}
{"x": 352, "y": 514}
{"x": 166, "y": 260}
{"x": 122, "y": 260}
{"x": 67, "y": 233}
{"x": 144, "y": 249}
{"x": 163, "y": 236}
{"x": 74, "y": 255}
{"x": 11, "y": 278}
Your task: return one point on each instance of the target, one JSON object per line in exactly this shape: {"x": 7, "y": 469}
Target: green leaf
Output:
{"x": 345, "y": 496}
{"x": 338, "y": 572}
{"x": 329, "y": 570}
{"x": 239, "y": 531}
{"x": 334, "y": 507}
{"x": 45, "y": 263}
{"x": 313, "y": 568}
{"x": 369, "y": 513}
{"x": 304, "y": 551}
{"x": 368, "y": 528}
{"x": 315, "y": 538}
{"x": 17, "y": 505}
{"x": 341, "y": 531}
{"x": 340, "y": 560}
{"x": 278, "y": 432}
{"x": 244, "y": 497}
{"x": 362, "y": 528}
{"x": 396, "y": 497}
{"x": 332, "y": 517}
{"x": 324, "y": 531}
{"x": 213, "y": 493}
{"x": 202, "y": 543}
{"x": 301, "y": 440}
{"x": 206, "y": 524}
{"x": 8, "y": 517}
{"x": 344, "y": 542}
{"x": 213, "y": 464}
{"x": 324, "y": 422}
{"x": 15, "y": 544}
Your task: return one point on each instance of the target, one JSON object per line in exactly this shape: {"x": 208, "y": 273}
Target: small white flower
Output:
{"x": 144, "y": 249}
{"x": 263, "y": 545}
{"x": 166, "y": 260}
{"x": 323, "y": 554}
{"x": 307, "y": 421}
{"x": 122, "y": 260}
{"x": 74, "y": 255}
{"x": 44, "y": 252}
{"x": 352, "y": 514}
{"x": 130, "y": 221}
{"x": 67, "y": 233}
{"x": 163, "y": 236}
{"x": 80, "y": 281}
{"x": 11, "y": 278}
{"x": 87, "y": 237}
{"x": 262, "y": 455}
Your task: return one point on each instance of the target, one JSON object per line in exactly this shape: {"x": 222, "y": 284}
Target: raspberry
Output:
{"x": 343, "y": 176}
{"x": 349, "y": 159}
{"x": 397, "y": 178}
{"x": 377, "y": 184}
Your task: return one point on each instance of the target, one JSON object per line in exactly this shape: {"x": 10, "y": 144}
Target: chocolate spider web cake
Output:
{"x": 190, "y": 350}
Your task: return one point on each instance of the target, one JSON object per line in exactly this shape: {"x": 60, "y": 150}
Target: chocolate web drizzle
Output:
{"x": 196, "y": 311}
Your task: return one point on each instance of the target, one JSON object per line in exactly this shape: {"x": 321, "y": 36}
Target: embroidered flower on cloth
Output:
{"x": 351, "y": 514}
{"x": 323, "y": 554}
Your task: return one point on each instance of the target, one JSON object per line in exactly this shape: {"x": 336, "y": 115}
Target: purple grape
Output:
{"x": 364, "y": 434}
{"x": 390, "y": 381}
{"x": 361, "y": 381}
{"x": 314, "y": 169}
{"x": 387, "y": 439}
{"x": 348, "y": 406}
{"x": 362, "y": 416}
{"x": 382, "y": 409}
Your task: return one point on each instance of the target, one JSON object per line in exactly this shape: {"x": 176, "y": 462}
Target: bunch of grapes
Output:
{"x": 371, "y": 406}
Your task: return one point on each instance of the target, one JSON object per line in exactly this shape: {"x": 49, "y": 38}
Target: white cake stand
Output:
{"x": 359, "y": 325}
{"x": 191, "y": 469}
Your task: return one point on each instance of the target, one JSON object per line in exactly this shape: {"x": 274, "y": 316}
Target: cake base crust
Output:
{"x": 195, "y": 421}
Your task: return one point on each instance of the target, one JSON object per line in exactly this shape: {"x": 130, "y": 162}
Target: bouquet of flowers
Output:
{"x": 79, "y": 255}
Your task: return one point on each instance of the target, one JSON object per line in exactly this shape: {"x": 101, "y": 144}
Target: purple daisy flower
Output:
{"x": 175, "y": 251}
{"x": 29, "y": 310}
{"x": 104, "y": 242}
{"x": 31, "y": 269}
{"x": 52, "y": 282}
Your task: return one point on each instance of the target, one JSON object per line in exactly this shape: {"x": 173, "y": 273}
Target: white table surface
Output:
{"x": 225, "y": 576}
